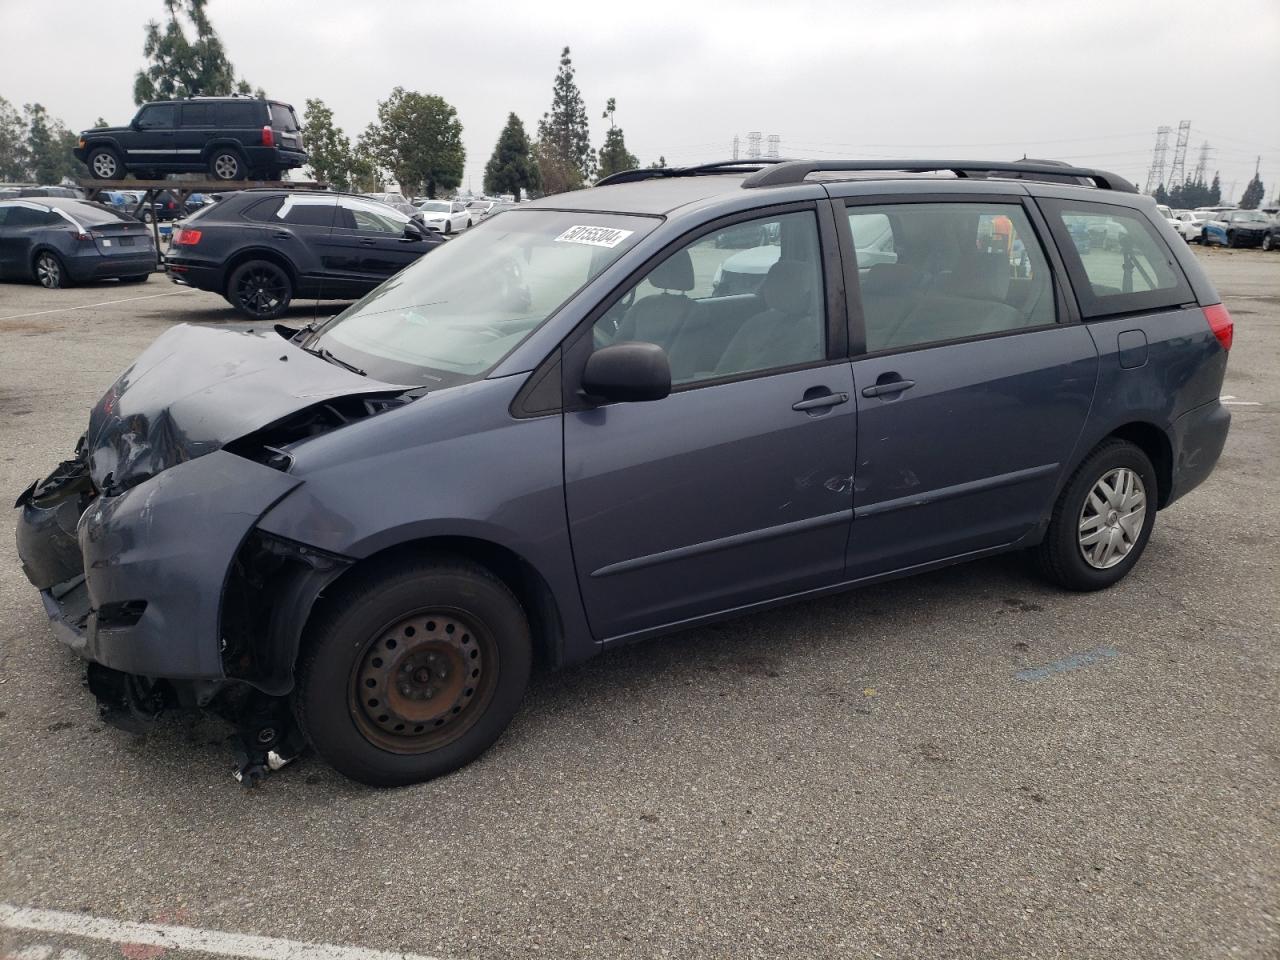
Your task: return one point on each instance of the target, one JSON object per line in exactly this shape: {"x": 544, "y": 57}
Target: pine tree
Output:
{"x": 659, "y": 164}
{"x": 185, "y": 68}
{"x": 49, "y": 145}
{"x": 1253, "y": 193}
{"x": 1215, "y": 192}
{"x": 512, "y": 167}
{"x": 564, "y": 138}
{"x": 614, "y": 156}
{"x": 1161, "y": 195}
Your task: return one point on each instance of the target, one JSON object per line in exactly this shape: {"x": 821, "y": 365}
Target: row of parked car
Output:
{"x": 1226, "y": 227}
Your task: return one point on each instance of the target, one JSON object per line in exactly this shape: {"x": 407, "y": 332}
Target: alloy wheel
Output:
{"x": 261, "y": 290}
{"x": 105, "y": 166}
{"x": 1112, "y": 518}
{"x": 226, "y": 166}
{"x": 49, "y": 271}
{"x": 423, "y": 681}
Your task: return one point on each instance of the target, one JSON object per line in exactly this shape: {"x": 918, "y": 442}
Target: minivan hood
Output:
{"x": 196, "y": 389}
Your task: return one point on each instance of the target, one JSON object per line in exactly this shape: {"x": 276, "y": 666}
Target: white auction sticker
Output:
{"x": 595, "y": 236}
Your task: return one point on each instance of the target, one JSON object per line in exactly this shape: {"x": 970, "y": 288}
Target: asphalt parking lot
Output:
{"x": 966, "y": 764}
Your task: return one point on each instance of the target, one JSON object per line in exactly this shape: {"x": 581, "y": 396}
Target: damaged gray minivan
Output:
{"x": 567, "y": 430}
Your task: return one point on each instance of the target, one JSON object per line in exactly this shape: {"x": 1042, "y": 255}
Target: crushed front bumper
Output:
{"x": 153, "y": 563}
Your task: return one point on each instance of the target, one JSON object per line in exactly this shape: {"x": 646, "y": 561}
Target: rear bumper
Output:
{"x": 99, "y": 267}
{"x": 281, "y": 157}
{"x": 192, "y": 273}
{"x": 1198, "y": 437}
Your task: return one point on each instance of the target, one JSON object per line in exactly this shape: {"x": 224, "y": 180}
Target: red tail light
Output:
{"x": 1220, "y": 323}
{"x": 185, "y": 238}
{"x": 268, "y": 137}
{"x": 82, "y": 236}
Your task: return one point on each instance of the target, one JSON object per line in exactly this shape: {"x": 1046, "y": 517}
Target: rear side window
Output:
{"x": 933, "y": 272}
{"x": 1117, "y": 261}
{"x": 236, "y": 114}
{"x": 305, "y": 212}
{"x": 197, "y": 115}
{"x": 263, "y": 210}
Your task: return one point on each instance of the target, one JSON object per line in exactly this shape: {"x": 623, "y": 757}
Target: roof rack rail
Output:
{"x": 795, "y": 171}
{"x": 700, "y": 169}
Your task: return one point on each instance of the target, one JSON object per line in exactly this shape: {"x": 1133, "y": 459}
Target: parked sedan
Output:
{"x": 1236, "y": 228}
{"x": 1271, "y": 241}
{"x": 59, "y": 241}
{"x": 262, "y": 248}
{"x": 1190, "y": 224}
{"x": 446, "y": 216}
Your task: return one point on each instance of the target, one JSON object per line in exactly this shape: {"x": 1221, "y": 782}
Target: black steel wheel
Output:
{"x": 410, "y": 672}
{"x": 260, "y": 289}
{"x": 49, "y": 271}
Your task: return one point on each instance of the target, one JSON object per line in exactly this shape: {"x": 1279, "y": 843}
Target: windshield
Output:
{"x": 435, "y": 206}
{"x": 1252, "y": 216}
{"x": 454, "y": 314}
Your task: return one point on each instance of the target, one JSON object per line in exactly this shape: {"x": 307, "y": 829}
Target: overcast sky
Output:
{"x": 1086, "y": 81}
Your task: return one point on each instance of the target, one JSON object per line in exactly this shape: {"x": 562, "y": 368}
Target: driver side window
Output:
{"x": 739, "y": 300}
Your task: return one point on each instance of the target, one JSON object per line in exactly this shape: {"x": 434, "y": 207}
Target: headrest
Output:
{"x": 890, "y": 278}
{"x": 674, "y": 273}
{"x": 982, "y": 276}
{"x": 787, "y": 287}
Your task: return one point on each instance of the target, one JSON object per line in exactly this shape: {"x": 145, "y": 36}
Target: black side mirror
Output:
{"x": 134, "y": 124}
{"x": 414, "y": 231}
{"x": 627, "y": 372}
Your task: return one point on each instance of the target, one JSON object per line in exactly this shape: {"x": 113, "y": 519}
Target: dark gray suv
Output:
{"x": 555, "y": 436}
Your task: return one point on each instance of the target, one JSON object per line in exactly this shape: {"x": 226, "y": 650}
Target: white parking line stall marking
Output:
{"x": 214, "y": 942}
{"x": 90, "y": 306}
{"x": 1230, "y": 401}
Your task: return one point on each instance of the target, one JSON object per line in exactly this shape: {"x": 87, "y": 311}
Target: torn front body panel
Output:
{"x": 155, "y": 558}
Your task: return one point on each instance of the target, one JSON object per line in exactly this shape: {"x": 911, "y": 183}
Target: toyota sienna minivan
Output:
{"x": 555, "y": 436}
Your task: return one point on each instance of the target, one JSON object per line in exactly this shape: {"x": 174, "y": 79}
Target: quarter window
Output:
{"x": 1118, "y": 263}
{"x": 931, "y": 272}
{"x": 197, "y": 115}
{"x": 743, "y": 299}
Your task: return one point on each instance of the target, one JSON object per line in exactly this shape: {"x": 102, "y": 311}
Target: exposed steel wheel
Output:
{"x": 421, "y": 682}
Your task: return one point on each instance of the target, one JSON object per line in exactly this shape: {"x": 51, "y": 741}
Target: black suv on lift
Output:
{"x": 261, "y": 248}
{"x": 231, "y": 138}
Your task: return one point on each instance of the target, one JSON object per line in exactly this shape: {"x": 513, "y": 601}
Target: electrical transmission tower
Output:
{"x": 772, "y": 144}
{"x": 1178, "y": 172}
{"x": 1155, "y": 176}
{"x": 1202, "y": 164}
{"x": 753, "y": 145}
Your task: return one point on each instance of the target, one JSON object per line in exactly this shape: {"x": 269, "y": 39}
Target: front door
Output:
{"x": 737, "y": 487}
{"x": 155, "y": 140}
{"x": 972, "y": 390}
{"x": 369, "y": 242}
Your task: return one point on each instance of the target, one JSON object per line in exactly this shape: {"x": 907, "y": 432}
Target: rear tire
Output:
{"x": 105, "y": 164}
{"x": 260, "y": 289}
{"x": 49, "y": 271}
{"x": 226, "y": 164}
{"x": 1267, "y": 243}
{"x": 409, "y": 673}
{"x": 1096, "y": 535}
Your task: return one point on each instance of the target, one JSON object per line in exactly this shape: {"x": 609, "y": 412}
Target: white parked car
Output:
{"x": 446, "y": 216}
{"x": 479, "y": 209}
{"x": 1190, "y": 223}
{"x": 1168, "y": 214}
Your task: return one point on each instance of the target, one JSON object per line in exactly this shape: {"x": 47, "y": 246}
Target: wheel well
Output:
{"x": 245, "y": 256}
{"x": 35, "y": 255}
{"x": 520, "y": 577}
{"x": 1152, "y": 441}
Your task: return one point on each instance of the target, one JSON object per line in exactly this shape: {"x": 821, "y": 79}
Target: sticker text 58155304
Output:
{"x": 594, "y": 236}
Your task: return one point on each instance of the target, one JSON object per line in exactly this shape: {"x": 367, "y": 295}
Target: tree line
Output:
{"x": 1196, "y": 193}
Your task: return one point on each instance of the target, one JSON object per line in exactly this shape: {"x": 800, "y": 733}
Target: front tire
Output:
{"x": 50, "y": 272}
{"x": 410, "y": 673}
{"x": 448, "y": 227}
{"x": 105, "y": 164}
{"x": 1268, "y": 244}
{"x": 226, "y": 164}
{"x": 1102, "y": 520}
{"x": 260, "y": 289}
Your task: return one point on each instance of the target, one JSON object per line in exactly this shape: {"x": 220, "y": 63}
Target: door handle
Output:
{"x": 888, "y": 388}
{"x": 817, "y": 403}
{"x": 368, "y": 243}
{"x": 282, "y": 236}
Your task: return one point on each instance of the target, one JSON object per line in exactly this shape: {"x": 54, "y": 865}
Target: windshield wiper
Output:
{"x": 324, "y": 353}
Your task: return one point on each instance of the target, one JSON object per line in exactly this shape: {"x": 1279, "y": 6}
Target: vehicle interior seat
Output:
{"x": 659, "y": 317}
{"x": 790, "y": 328}
{"x": 889, "y": 291}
